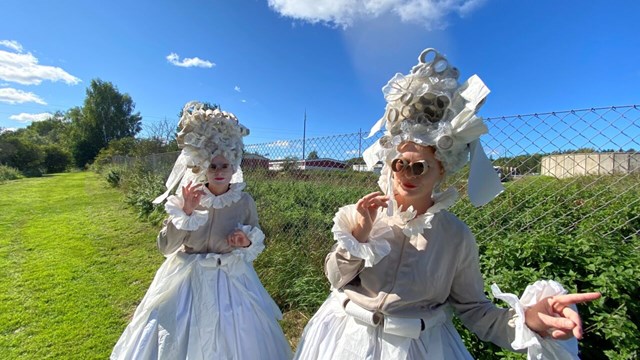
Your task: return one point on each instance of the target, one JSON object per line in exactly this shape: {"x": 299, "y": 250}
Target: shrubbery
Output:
{"x": 551, "y": 231}
{"x": 56, "y": 159}
{"x": 541, "y": 228}
{"x": 141, "y": 186}
{"x": 9, "y": 173}
{"x": 538, "y": 231}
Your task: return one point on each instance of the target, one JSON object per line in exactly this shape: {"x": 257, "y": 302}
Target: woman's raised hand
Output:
{"x": 238, "y": 238}
{"x": 553, "y": 316}
{"x": 191, "y": 195}
{"x": 367, "y": 209}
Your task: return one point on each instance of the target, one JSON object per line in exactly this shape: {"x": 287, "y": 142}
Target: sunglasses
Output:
{"x": 417, "y": 168}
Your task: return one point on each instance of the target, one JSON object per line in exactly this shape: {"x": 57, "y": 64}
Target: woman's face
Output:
{"x": 219, "y": 172}
{"x": 408, "y": 183}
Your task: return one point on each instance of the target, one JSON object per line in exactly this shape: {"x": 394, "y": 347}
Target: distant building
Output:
{"x": 315, "y": 164}
{"x": 610, "y": 163}
{"x": 254, "y": 161}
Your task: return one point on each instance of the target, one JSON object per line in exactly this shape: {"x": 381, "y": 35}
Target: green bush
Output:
{"x": 56, "y": 159}
{"x": 21, "y": 154}
{"x": 113, "y": 175}
{"x": 540, "y": 228}
{"x": 581, "y": 232}
{"x": 9, "y": 173}
{"x": 141, "y": 185}
{"x": 543, "y": 228}
{"x": 296, "y": 217}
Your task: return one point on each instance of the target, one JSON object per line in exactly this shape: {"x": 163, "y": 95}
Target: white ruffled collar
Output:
{"x": 413, "y": 225}
{"x": 233, "y": 195}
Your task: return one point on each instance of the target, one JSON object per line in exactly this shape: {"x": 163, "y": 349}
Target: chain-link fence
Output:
{"x": 596, "y": 150}
{"x": 570, "y": 211}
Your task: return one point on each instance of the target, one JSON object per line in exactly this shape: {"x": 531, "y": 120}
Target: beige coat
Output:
{"x": 437, "y": 268}
{"x": 210, "y": 236}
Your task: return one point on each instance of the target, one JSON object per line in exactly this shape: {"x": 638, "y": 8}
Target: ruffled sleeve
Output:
{"x": 371, "y": 251}
{"x": 350, "y": 256}
{"x": 180, "y": 219}
{"x": 537, "y": 346}
{"x": 256, "y": 236}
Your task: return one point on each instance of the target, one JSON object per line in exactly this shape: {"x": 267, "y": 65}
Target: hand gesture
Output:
{"x": 238, "y": 238}
{"x": 191, "y": 195}
{"x": 554, "y": 316}
{"x": 367, "y": 209}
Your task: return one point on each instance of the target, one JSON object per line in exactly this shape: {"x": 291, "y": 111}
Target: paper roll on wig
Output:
{"x": 430, "y": 108}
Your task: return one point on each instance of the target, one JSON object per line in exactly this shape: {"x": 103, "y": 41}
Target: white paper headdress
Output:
{"x": 429, "y": 107}
{"x": 204, "y": 134}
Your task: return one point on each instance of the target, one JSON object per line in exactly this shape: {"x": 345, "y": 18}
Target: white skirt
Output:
{"x": 204, "y": 306}
{"x": 333, "y": 334}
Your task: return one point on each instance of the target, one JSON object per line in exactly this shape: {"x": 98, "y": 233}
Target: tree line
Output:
{"x": 105, "y": 125}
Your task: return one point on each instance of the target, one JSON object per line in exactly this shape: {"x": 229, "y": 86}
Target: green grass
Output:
{"x": 74, "y": 263}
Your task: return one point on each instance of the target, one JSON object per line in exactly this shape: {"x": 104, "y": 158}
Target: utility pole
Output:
{"x": 304, "y": 135}
{"x": 359, "y": 143}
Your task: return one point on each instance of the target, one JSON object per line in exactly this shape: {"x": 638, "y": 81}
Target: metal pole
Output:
{"x": 304, "y": 135}
{"x": 359, "y": 143}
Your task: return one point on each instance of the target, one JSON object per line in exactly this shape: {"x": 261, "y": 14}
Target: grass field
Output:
{"x": 74, "y": 262}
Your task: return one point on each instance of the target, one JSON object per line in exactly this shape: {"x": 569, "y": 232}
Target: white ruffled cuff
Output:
{"x": 374, "y": 250}
{"x": 537, "y": 346}
{"x": 180, "y": 219}
{"x": 256, "y": 236}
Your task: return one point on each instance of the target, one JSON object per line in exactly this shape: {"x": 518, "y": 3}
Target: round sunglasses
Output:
{"x": 417, "y": 168}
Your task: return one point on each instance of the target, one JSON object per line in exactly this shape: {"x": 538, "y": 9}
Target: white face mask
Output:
{"x": 219, "y": 172}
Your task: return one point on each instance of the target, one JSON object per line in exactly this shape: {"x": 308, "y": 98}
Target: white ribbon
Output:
{"x": 178, "y": 171}
{"x": 484, "y": 184}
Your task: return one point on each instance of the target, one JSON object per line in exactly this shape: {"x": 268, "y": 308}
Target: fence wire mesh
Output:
{"x": 585, "y": 162}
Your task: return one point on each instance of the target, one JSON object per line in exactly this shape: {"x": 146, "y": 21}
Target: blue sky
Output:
{"x": 270, "y": 60}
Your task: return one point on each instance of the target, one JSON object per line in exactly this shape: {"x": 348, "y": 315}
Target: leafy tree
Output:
{"x": 106, "y": 115}
{"x": 18, "y": 153}
{"x": 55, "y": 130}
{"x": 40, "y": 147}
{"x": 313, "y": 155}
{"x": 148, "y": 146}
{"x": 56, "y": 159}
{"x": 122, "y": 147}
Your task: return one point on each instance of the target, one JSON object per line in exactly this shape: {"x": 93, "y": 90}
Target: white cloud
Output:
{"x": 15, "y": 96}
{"x": 11, "y": 44}
{"x": 351, "y": 152}
{"x": 4, "y": 130}
{"x": 243, "y": 101}
{"x": 27, "y": 118}
{"x": 237, "y": 88}
{"x": 24, "y": 68}
{"x": 174, "y": 59}
{"x": 430, "y": 13}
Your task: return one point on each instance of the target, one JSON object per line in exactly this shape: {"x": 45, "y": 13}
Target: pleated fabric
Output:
{"x": 332, "y": 334}
{"x": 204, "y": 306}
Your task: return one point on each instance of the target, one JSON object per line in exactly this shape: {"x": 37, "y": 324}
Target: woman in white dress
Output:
{"x": 403, "y": 265}
{"x": 206, "y": 300}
